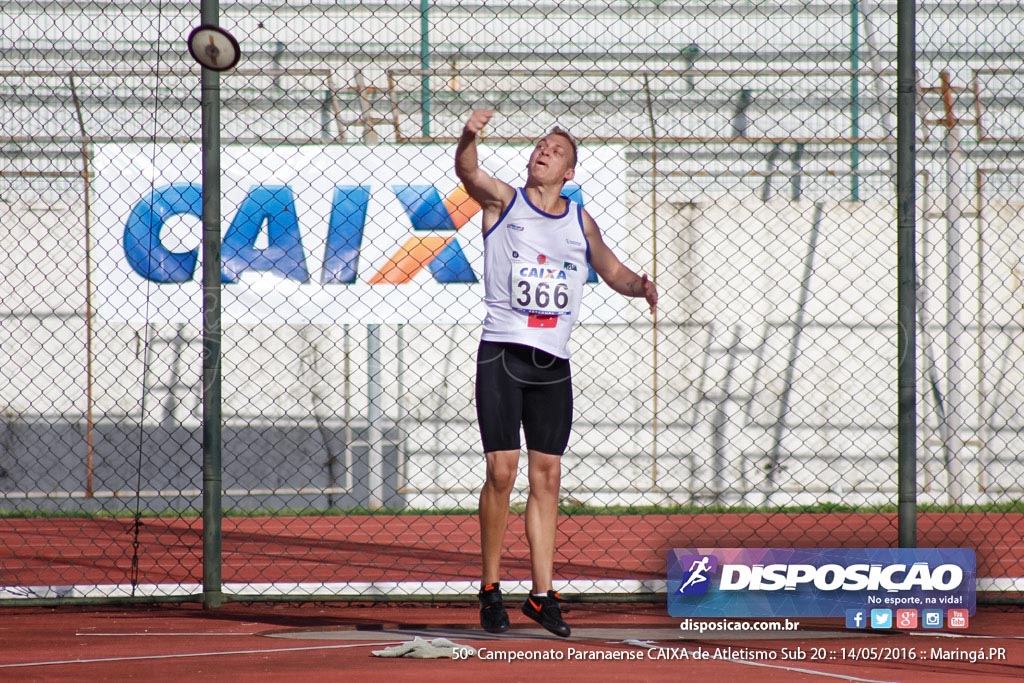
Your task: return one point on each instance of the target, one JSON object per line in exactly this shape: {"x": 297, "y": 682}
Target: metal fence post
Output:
{"x": 211, "y": 261}
{"x": 374, "y": 416}
{"x": 906, "y": 284}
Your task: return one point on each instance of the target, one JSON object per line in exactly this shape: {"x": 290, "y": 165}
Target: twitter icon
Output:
{"x": 881, "y": 618}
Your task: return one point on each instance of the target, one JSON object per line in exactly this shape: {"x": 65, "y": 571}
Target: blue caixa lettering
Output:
{"x": 273, "y": 206}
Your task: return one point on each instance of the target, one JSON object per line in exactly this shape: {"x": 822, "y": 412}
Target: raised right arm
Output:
{"x": 492, "y": 194}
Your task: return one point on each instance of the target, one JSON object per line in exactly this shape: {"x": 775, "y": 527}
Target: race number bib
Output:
{"x": 541, "y": 289}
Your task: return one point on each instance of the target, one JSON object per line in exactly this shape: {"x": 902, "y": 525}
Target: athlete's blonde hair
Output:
{"x": 558, "y": 130}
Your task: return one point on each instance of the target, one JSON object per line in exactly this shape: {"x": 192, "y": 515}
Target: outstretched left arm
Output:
{"x": 611, "y": 269}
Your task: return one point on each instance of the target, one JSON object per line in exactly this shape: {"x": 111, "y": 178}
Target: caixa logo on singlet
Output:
{"x": 697, "y": 573}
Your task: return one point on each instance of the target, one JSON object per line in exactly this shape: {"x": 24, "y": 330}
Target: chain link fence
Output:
{"x": 741, "y": 153}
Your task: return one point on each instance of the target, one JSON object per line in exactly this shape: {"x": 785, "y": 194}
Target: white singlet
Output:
{"x": 535, "y": 266}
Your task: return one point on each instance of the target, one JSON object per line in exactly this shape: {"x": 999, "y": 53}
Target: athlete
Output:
{"x": 537, "y": 246}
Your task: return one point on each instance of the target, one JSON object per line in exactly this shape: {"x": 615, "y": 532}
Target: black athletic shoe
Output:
{"x": 547, "y": 613}
{"x": 493, "y": 617}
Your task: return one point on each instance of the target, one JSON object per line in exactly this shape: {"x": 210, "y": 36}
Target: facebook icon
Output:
{"x": 856, "y": 618}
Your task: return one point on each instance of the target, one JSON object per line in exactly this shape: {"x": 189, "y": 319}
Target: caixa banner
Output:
{"x": 332, "y": 234}
{"x": 817, "y": 582}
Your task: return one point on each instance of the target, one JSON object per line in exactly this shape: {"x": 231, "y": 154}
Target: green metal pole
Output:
{"x": 425, "y": 67}
{"x": 212, "y": 475}
{"x": 906, "y": 297}
{"x": 854, "y": 102}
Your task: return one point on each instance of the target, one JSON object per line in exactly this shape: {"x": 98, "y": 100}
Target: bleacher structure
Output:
{"x": 717, "y": 107}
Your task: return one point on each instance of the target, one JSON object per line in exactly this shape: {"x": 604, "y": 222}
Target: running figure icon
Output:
{"x": 698, "y": 573}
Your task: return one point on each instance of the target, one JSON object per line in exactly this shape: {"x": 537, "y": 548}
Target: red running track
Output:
{"x": 244, "y": 643}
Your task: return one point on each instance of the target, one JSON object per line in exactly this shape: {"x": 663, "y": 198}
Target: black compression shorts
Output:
{"x": 518, "y": 384}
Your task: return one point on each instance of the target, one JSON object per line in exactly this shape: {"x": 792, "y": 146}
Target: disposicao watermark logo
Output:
{"x": 839, "y": 582}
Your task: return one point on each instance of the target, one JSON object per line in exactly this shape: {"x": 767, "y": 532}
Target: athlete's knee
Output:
{"x": 545, "y": 474}
{"x": 545, "y": 485}
{"x": 501, "y": 483}
{"x": 501, "y": 472}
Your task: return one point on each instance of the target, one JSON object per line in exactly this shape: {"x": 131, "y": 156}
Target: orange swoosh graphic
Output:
{"x": 417, "y": 253}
